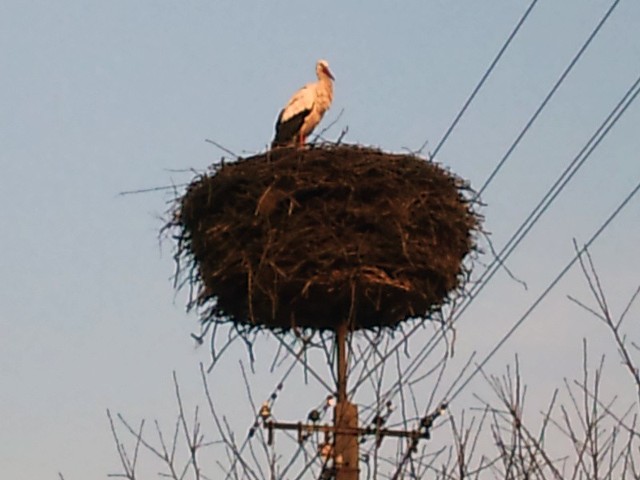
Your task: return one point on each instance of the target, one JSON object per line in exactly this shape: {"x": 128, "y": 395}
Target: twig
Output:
{"x": 328, "y": 127}
{"x": 152, "y": 189}
{"x": 224, "y": 149}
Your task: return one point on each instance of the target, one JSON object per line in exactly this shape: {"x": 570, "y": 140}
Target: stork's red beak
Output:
{"x": 328, "y": 72}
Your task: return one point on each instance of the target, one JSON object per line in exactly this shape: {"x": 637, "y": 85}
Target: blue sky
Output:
{"x": 102, "y": 97}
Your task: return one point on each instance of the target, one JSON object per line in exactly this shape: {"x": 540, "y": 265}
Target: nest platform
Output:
{"x": 316, "y": 237}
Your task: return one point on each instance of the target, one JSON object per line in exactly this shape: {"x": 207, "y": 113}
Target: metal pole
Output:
{"x": 345, "y": 429}
{"x": 346, "y": 454}
{"x": 341, "y": 346}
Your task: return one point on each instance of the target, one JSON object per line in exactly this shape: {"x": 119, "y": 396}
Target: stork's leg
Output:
{"x": 302, "y": 139}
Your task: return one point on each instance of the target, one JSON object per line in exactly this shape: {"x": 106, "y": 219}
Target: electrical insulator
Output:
{"x": 265, "y": 411}
{"x": 325, "y": 451}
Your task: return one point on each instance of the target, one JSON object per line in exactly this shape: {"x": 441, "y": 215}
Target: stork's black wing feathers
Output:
{"x": 287, "y": 131}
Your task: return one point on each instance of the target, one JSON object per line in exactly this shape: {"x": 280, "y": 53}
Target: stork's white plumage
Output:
{"x": 305, "y": 109}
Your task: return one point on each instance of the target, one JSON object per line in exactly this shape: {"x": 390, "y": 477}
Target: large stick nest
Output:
{"x": 317, "y": 237}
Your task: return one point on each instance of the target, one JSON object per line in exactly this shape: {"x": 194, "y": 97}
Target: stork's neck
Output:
{"x": 322, "y": 76}
{"x": 325, "y": 81}
{"x": 324, "y": 91}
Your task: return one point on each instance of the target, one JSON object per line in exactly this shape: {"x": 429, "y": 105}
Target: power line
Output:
{"x": 273, "y": 396}
{"x": 559, "y": 185}
{"x": 544, "y": 103}
{"x": 630, "y": 95}
{"x": 483, "y": 79}
{"x": 559, "y": 277}
{"x": 546, "y": 100}
{"x": 503, "y": 160}
{"x": 621, "y": 107}
{"x": 542, "y": 296}
{"x": 578, "y": 161}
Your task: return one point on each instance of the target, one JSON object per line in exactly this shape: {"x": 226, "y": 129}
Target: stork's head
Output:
{"x": 322, "y": 69}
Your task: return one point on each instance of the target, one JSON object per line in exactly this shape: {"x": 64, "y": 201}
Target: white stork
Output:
{"x": 305, "y": 109}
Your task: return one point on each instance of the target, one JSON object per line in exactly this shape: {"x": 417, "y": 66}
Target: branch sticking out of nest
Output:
{"x": 317, "y": 237}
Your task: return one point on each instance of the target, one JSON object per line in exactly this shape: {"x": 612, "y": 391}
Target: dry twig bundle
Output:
{"x": 317, "y": 237}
